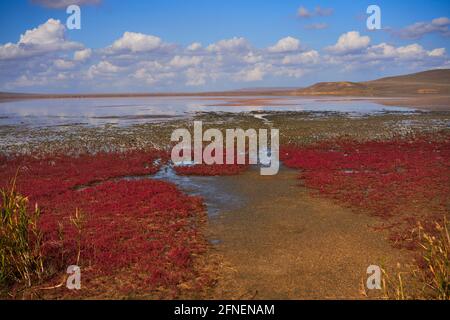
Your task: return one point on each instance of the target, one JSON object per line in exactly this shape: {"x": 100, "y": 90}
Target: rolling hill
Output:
{"x": 422, "y": 83}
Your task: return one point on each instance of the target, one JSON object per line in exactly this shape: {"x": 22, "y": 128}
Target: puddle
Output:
{"x": 215, "y": 191}
{"x": 215, "y": 241}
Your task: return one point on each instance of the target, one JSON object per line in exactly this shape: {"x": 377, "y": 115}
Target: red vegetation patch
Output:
{"x": 147, "y": 226}
{"x": 405, "y": 181}
{"x": 213, "y": 169}
{"x": 56, "y": 174}
{"x": 145, "y": 229}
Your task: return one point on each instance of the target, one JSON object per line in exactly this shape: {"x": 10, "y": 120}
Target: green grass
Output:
{"x": 21, "y": 260}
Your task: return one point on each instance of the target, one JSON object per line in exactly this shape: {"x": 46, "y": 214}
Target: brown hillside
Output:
{"x": 422, "y": 83}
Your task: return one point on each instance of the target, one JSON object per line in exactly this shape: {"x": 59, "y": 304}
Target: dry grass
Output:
{"x": 20, "y": 240}
{"x": 436, "y": 258}
{"x": 433, "y": 272}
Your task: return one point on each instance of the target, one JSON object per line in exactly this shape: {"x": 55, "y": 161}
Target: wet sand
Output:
{"x": 284, "y": 243}
{"x": 431, "y": 102}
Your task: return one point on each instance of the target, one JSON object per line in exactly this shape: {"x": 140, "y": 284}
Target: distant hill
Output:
{"x": 422, "y": 83}
{"x": 334, "y": 88}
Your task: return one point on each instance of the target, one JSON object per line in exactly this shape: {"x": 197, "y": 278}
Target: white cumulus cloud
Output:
{"x": 48, "y": 37}
{"x": 250, "y": 75}
{"x": 439, "y": 52}
{"x": 308, "y": 57}
{"x": 350, "y": 42}
{"x": 82, "y": 55}
{"x": 286, "y": 44}
{"x": 105, "y": 68}
{"x": 194, "y": 46}
{"x": 136, "y": 42}
{"x": 233, "y": 44}
{"x": 63, "y": 64}
{"x": 185, "y": 61}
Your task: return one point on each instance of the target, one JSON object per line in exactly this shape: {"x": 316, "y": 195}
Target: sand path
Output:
{"x": 285, "y": 244}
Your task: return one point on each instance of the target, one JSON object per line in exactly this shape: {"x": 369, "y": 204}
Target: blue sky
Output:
{"x": 403, "y": 45}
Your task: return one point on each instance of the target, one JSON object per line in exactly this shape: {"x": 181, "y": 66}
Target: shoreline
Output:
{"x": 251, "y": 99}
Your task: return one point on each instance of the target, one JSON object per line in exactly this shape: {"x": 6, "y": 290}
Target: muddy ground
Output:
{"x": 286, "y": 244}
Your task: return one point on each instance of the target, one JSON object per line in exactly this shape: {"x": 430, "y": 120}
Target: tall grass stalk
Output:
{"x": 434, "y": 273}
{"x": 78, "y": 220}
{"x": 436, "y": 257}
{"x": 20, "y": 239}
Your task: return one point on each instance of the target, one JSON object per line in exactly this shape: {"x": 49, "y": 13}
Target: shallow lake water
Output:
{"x": 128, "y": 111}
{"x": 216, "y": 193}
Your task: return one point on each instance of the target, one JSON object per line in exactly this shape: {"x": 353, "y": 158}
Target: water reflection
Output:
{"x": 126, "y": 111}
